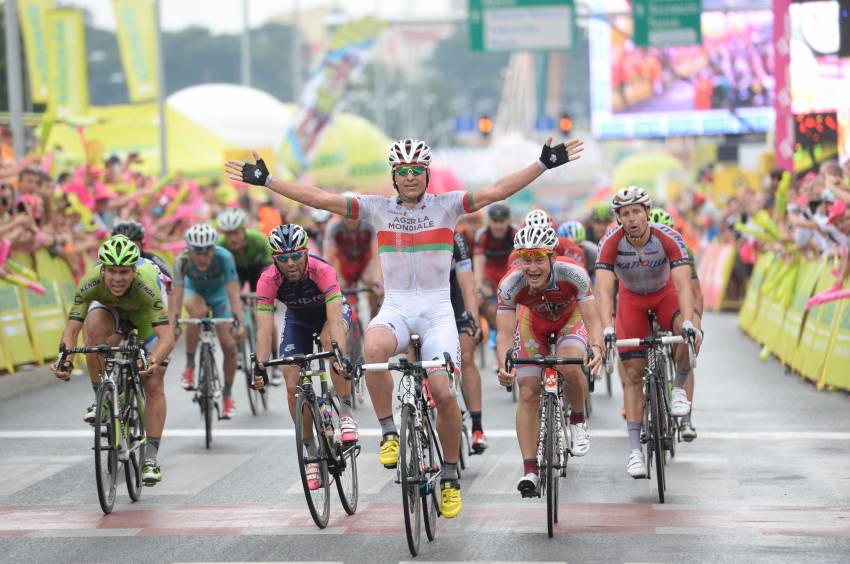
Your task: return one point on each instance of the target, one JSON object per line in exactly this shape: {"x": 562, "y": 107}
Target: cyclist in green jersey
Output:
{"x": 251, "y": 253}
{"x": 682, "y": 394}
{"x": 124, "y": 287}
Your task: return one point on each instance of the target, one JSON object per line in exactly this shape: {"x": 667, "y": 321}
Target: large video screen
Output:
{"x": 723, "y": 86}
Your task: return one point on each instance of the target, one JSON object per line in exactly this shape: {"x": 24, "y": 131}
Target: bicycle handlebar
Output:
{"x": 61, "y": 360}
{"x": 403, "y": 364}
{"x": 650, "y": 342}
{"x": 206, "y": 320}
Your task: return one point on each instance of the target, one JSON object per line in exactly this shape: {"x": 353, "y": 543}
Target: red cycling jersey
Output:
{"x": 353, "y": 248}
{"x": 569, "y": 285}
{"x": 496, "y": 250}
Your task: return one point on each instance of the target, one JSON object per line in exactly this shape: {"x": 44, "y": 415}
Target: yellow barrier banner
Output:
{"x": 66, "y": 59}
{"x": 750, "y": 307}
{"x": 778, "y": 301}
{"x": 772, "y": 275}
{"x": 817, "y": 333}
{"x": 33, "y": 17}
{"x": 835, "y": 370}
{"x": 45, "y": 319}
{"x": 136, "y": 30}
{"x": 13, "y": 326}
{"x": 789, "y": 336}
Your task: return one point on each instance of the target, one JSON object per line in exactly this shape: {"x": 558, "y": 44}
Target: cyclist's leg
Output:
{"x": 631, "y": 322}
{"x": 387, "y": 334}
{"x": 572, "y": 343}
{"x": 196, "y": 306}
{"x": 528, "y": 399}
{"x": 99, "y": 327}
{"x": 671, "y": 319}
{"x": 220, "y": 305}
{"x": 296, "y": 338}
{"x": 471, "y": 381}
{"x": 154, "y": 386}
{"x": 341, "y": 384}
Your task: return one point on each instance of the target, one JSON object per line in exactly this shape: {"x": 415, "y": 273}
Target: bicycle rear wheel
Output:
{"x": 345, "y": 469}
{"x": 105, "y": 443}
{"x": 656, "y": 438}
{"x": 550, "y": 461}
{"x": 135, "y": 429}
{"x": 308, "y": 423}
{"x": 207, "y": 399}
{"x": 410, "y": 471}
{"x": 431, "y": 460}
{"x": 245, "y": 361}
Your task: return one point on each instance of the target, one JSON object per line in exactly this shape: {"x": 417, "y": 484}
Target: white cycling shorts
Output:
{"x": 426, "y": 313}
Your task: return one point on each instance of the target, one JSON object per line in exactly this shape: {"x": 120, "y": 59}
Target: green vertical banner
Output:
{"x": 137, "y": 42}
{"x": 33, "y": 16}
{"x": 658, "y": 23}
{"x": 66, "y": 63}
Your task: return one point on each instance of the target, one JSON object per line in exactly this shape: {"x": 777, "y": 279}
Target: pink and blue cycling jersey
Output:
{"x": 311, "y": 294}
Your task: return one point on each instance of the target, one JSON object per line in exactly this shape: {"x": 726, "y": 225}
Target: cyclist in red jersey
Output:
{"x": 651, "y": 264}
{"x": 556, "y": 297}
{"x": 492, "y": 248}
{"x": 350, "y": 246}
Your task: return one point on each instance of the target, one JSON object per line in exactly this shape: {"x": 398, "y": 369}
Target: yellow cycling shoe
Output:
{"x": 451, "y": 502}
{"x": 389, "y": 452}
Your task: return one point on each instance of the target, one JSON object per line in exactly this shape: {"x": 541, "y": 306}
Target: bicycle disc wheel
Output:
{"x": 410, "y": 471}
{"x": 207, "y": 399}
{"x": 105, "y": 452}
{"x": 307, "y": 418}
{"x": 549, "y": 463}
{"x": 135, "y": 430}
{"x": 345, "y": 471}
{"x": 431, "y": 459}
{"x": 655, "y": 438}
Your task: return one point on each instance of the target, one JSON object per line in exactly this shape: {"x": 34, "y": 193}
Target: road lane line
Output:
{"x": 491, "y": 433}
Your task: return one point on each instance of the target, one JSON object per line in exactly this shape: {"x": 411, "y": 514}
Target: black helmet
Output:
{"x": 498, "y": 212}
{"x": 133, "y": 230}
{"x": 287, "y": 238}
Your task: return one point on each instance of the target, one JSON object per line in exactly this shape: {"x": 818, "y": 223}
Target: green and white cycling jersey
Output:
{"x": 255, "y": 253}
{"x": 143, "y": 305}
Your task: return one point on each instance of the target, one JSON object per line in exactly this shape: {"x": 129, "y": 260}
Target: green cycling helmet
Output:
{"x": 660, "y": 215}
{"x": 602, "y": 212}
{"x": 118, "y": 250}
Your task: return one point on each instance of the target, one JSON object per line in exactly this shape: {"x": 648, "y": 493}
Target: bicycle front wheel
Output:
{"x": 207, "y": 399}
{"x": 345, "y": 469}
{"x": 135, "y": 429}
{"x": 308, "y": 425}
{"x": 656, "y": 440}
{"x": 550, "y": 462}
{"x": 431, "y": 461}
{"x": 106, "y": 434}
{"x": 410, "y": 471}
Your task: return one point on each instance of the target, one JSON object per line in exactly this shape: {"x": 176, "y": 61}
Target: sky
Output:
{"x": 225, "y": 16}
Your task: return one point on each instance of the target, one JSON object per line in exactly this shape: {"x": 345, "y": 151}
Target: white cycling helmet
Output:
{"x": 536, "y": 237}
{"x": 537, "y": 218}
{"x": 231, "y": 219}
{"x": 201, "y": 235}
{"x": 409, "y": 151}
{"x": 629, "y": 196}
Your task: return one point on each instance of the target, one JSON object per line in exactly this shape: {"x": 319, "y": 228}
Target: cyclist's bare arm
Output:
{"x": 69, "y": 339}
{"x": 337, "y": 324}
{"x": 697, "y": 290}
{"x": 593, "y": 323}
{"x": 265, "y": 326}
{"x": 506, "y": 327}
{"x": 164, "y": 344}
{"x": 682, "y": 281}
{"x": 177, "y": 299}
{"x": 466, "y": 281}
{"x": 478, "y": 262}
{"x": 235, "y": 301}
{"x": 605, "y": 295}
{"x": 513, "y": 183}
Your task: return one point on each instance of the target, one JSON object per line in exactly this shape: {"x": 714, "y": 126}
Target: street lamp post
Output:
{"x": 15, "y": 78}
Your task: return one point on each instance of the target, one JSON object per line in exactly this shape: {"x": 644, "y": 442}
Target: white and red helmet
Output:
{"x": 409, "y": 151}
{"x": 629, "y": 196}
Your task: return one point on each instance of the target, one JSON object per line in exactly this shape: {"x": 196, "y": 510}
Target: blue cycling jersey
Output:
{"x": 221, "y": 272}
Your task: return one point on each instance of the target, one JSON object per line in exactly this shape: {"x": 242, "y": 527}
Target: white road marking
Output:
{"x": 491, "y": 433}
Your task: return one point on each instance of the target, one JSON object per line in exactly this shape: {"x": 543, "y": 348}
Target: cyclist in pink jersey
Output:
{"x": 556, "y": 298}
{"x": 415, "y": 242}
{"x": 651, "y": 263}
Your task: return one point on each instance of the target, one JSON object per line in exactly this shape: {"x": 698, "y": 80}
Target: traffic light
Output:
{"x": 485, "y": 125}
{"x": 565, "y": 124}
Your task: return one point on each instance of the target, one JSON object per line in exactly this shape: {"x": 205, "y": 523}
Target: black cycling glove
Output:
{"x": 554, "y": 156}
{"x": 256, "y": 174}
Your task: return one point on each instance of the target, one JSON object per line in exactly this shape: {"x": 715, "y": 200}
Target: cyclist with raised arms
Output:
{"x": 490, "y": 259}
{"x": 308, "y": 287}
{"x": 465, "y": 305}
{"x": 682, "y": 394}
{"x": 557, "y": 298}
{"x": 124, "y": 287}
{"x": 205, "y": 278}
{"x": 350, "y": 246}
{"x": 651, "y": 264}
{"x": 415, "y": 240}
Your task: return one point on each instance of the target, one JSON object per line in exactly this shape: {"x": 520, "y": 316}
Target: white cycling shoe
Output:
{"x": 679, "y": 404}
{"x": 580, "y": 439}
{"x": 636, "y": 467}
{"x": 527, "y": 485}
